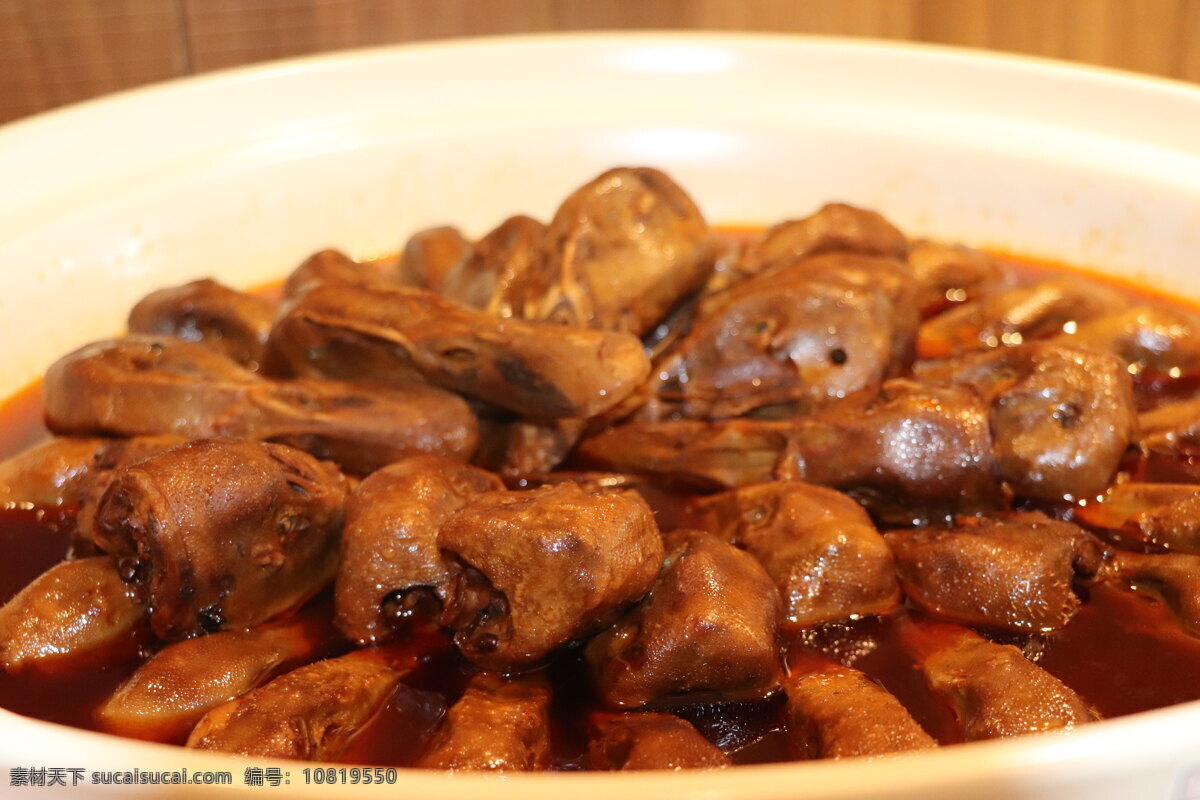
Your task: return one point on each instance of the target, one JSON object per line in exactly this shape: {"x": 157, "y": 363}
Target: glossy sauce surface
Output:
{"x": 1122, "y": 652}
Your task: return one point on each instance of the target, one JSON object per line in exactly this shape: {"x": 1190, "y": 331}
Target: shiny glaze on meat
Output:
{"x": 1115, "y": 640}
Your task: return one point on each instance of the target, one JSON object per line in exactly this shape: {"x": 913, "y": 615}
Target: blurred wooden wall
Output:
{"x": 58, "y": 51}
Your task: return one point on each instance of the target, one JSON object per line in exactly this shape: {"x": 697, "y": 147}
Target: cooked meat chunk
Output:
{"x": 168, "y": 694}
{"x": 224, "y": 533}
{"x": 1016, "y": 315}
{"x": 1173, "y": 577}
{"x": 144, "y": 385}
{"x": 818, "y": 545}
{"x": 72, "y": 471}
{"x": 311, "y": 713}
{"x": 534, "y": 570}
{"x": 707, "y": 628}
{"x": 836, "y": 227}
{"x": 1154, "y": 338}
{"x": 709, "y": 455}
{"x": 49, "y": 473}
{"x": 507, "y": 258}
{"x": 838, "y": 712}
{"x": 331, "y": 266}
{"x": 491, "y": 275}
{"x": 647, "y": 740}
{"x": 508, "y": 274}
{"x": 498, "y": 724}
{"x": 1163, "y": 458}
{"x": 917, "y": 451}
{"x": 620, "y": 253}
{"x": 1061, "y": 418}
{"x": 891, "y": 278}
{"x": 233, "y": 323}
{"x": 402, "y": 335}
{"x": 389, "y": 548}
{"x": 1171, "y": 426}
{"x": 1163, "y": 514}
{"x": 462, "y": 461}
{"x": 797, "y": 338}
{"x": 533, "y": 447}
{"x": 431, "y": 255}
{"x": 802, "y": 343}
{"x": 1014, "y": 572}
{"x": 76, "y": 614}
{"x": 993, "y": 690}
{"x": 949, "y": 274}
{"x": 498, "y": 278}
{"x": 106, "y": 462}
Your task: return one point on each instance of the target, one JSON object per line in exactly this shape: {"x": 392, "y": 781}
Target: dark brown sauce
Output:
{"x": 398, "y": 734}
{"x": 32, "y": 540}
{"x": 70, "y": 698}
{"x": 1123, "y": 652}
{"x": 752, "y": 733}
{"x": 873, "y": 646}
{"x": 1179, "y": 465}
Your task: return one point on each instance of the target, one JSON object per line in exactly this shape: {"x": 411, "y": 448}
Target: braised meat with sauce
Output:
{"x": 1174, "y": 577}
{"x": 333, "y": 266}
{"x": 1155, "y": 339}
{"x": 835, "y": 227}
{"x": 234, "y": 323}
{"x": 838, "y": 712}
{"x": 800, "y": 338}
{"x": 1163, "y": 515}
{"x": 915, "y": 451}
{"x": 606, "y": 493}
{"x": 390, "y": 565}
{"x": 430, "y": 256}
{"x": 153, "y": 386}
{"x": 488, "y": 274}
{"x": 619, "y": 254}
{"x": 649, "y": 740}
{"x": 1017, "y": 315}
{"x": 1061, "y": 417}
{"x": 310, "y": 714}
{"x": 994, "y": 690}
{"x": 819, "y": 546}
{"x": 708, "y": 627}
{"x": 499, "y": 724}
{"x": 708, "y": 455}
{"x": 77, "y": 612}
{"x": 223, "y": 532}
{"x": 1014, "y": 572}
{"x": 508, "y": 552}
{"x": 950, "y": 274}
{"x": 168, "y": 694}
{"x": 73, "y": 471}
{"x": 401, "y": 335}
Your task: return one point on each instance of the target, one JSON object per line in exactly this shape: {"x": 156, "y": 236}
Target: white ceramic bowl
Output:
{"x": 240, "y": 174}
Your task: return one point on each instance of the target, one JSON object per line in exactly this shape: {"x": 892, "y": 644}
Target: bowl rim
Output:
{"x": 292, "y": 65}
{"x": 1100, "y": 747}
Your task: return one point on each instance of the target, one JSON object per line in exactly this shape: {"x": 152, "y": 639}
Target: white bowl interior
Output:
{"x": 240, "y": 175}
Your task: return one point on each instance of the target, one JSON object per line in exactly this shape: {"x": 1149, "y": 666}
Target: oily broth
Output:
{"x": 1122, "y": 652}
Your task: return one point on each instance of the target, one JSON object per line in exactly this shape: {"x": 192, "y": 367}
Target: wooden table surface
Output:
{"x": 58, "y": 51}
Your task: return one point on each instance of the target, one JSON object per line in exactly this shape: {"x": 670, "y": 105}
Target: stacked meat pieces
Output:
{"x": 462, "y": 444}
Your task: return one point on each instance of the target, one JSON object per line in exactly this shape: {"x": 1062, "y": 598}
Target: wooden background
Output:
{"x": 58, "y": 51}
